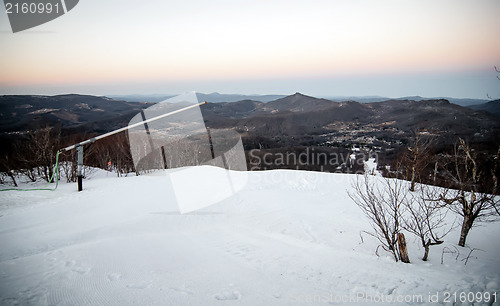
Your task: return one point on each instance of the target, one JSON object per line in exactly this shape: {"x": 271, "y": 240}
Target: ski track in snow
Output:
{"x": 289, "y": 238}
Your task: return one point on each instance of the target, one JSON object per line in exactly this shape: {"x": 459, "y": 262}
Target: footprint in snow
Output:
{"x": 183, "y": 290}
{"x": 80, "y": 270}
{"x": 139, "y": 285}
{"x": 75, "y": 267}
{"x": 114, "y": 277}
{"x": 227, "y": 295}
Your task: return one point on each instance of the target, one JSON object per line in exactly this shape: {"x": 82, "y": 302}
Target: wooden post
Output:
{"x": 403, "y": 252}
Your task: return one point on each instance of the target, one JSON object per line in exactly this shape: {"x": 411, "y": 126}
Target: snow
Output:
{"x": 194, "y": 187}
{"x": 286, "y": 238}
{"x": 371, "y": 167}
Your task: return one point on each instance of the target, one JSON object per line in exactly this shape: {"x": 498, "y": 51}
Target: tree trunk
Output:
{"x": 426, "y": 253}
{"x": 435, "y": 172}
{"x": 394, "y": 253}
{"x": 11, "y": 175}
{"x": 412, "y": 187}
{"x": 403, "y": 252}
{"x": 466, "y": 226}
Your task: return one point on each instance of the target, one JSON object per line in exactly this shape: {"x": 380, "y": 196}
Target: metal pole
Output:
{"x": 91, "y": 140}
{"x": 79, "y": 146}
{"x": 79, "y": 169}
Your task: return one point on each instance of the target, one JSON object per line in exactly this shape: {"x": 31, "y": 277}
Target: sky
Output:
{"x": 445, "y": 48}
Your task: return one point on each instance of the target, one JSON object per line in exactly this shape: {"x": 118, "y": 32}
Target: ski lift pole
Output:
{"x": 79, "y": 169}
{"x": 79, "y": 146}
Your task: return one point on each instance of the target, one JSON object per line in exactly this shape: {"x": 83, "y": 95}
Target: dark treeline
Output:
{"x": 420, "y": 158}
{"x": 426, "y": 159}
{"x": 33, "y": 154}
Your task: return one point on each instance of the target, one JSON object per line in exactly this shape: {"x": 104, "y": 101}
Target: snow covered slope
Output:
{"x": 288, "y": 238}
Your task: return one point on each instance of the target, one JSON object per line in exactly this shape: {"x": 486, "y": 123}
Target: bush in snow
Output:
{"x": 381, "y": 200}
{"x": 425, "y": 218}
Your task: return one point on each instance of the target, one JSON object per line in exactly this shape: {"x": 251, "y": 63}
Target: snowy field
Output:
{"x": 288, "y": 238}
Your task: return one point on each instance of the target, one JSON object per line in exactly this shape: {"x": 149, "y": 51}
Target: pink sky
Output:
{"x": 120, "y": 47}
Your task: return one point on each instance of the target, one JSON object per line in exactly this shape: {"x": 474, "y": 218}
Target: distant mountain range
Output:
{"x": 302, "y": 112}
{"x": 299, "y": 114}
{"x": 214, "y": 97}
{"x": 217, "y": 98}
{"x": 88, "y": 113}
{"x": 287, "y": 124}
{"x": 371, "y": 99}
{"x": 492, "y": 107}
{"x": 297, "y": 123}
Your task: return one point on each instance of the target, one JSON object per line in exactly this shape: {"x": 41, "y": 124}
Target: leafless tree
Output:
{"x": 68, "y": 159}
{"x": 473, "y": 189}
{"x": 498, "y": 77}
{"x": 425, "y": 218}
{"x": 111, "y": 153}
{"x": 68, "y": 171}
{"x": 6, "y": 167}
{"x": 382, "y": 202}
{"x": 120, "y": 155}
{"x": 417, "y": 157}
{"x": 36, "y": 156}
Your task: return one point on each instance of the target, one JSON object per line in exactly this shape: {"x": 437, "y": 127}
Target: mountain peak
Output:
{"x": 298, "y": 94}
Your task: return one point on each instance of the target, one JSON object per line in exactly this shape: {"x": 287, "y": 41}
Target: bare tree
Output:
{"x": 382, "y": 202}
{"x": 68, "y": 159}
{"x": 498, "y": 77}
{"x": 111, "y": 153}
{"x": 425, "y": 218}
{"x": 67, "y": 165}
{"x": 416, "y": 159}
{"x": 473, "y": 189}
{"x": 36, "y": 156}
{"x": 6, "y": 167}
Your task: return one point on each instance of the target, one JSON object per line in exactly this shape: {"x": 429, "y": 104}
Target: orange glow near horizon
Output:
{"x": 224, "y": 41}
